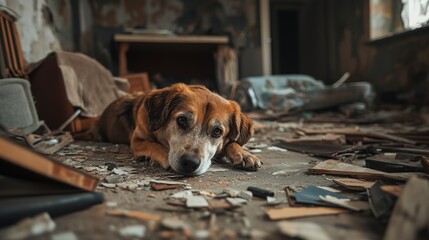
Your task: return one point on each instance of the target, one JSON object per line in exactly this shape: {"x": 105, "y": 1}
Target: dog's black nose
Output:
{"x": 189, "y": 163}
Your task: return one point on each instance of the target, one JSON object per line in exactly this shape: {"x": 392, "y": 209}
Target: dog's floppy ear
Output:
{"x": 159, "y": 104}
{"x": 241, "y": 126}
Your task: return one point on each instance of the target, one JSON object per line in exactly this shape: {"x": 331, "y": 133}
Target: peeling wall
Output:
{"x": 235, "y": 18}
{"x": 38, "y": 36}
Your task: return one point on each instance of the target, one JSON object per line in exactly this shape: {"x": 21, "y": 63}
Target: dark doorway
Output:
{"x": 288, "y": 41}
{"x": 285, "y": 40}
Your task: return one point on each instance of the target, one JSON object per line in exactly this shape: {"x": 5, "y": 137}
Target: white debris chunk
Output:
{"x": 182, "y": 194}
{"x": 119, "y": 171}
{"x": 236, "y": 201}
{"x": 196, "y": 202}
{"x": 275, "y": 148}
{"x": 64, "y": 236}
{"x": 108, "y": 185}
{"x": 246, "y": 195}
{"x": 133, "y": 231}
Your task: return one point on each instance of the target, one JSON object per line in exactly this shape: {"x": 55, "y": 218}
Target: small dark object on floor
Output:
{"x": 261, "y": 193}
{"x": 110, "y": 166}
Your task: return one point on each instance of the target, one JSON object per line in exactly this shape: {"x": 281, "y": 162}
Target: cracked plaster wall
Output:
{"x": 39, "y": 37}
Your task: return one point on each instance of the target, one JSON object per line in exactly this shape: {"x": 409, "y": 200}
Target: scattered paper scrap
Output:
{"x": 108, "y": 185}
{"x": 346, "y": 203}
{"x": 182, "y": 194}
{"x": 236, "y": 201}
{"x": 137, "y": 231}
{"x": 275, "y": 148}
{"x": 299, "y": 212}
{"x": 119, "y": 171}
{"x": 134, "y": 214}
{"x": 64, "y": 236}
{"x": 196, "y": 202}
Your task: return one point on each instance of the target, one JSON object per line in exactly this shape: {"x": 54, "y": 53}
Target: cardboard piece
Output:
{"x": 354, "y": 184}
{"x": 299, "y": 212}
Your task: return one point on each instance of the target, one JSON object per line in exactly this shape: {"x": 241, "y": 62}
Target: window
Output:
{"x": 389, "y": 17}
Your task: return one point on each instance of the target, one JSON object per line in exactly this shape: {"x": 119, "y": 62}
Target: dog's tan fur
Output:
{"x": 152, "y": 124}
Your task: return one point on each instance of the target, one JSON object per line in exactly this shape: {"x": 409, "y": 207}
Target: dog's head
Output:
{"x": 195, "y": 124}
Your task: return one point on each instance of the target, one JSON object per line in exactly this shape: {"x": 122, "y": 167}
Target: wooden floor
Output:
{"x": 280, "y": 169}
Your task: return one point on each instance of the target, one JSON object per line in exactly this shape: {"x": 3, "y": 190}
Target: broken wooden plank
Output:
{"x": 334, "y": 167}
{"x": 319, "y": 148}
{"x": 354, "y": 184}
{"x": 134, "y": 214}
{"x": 392, "y": 165}
{"x": 358, "y": 132}
{"x": 395, "y": 190}
{"x": 410, "y": 217}
{"x": 299, "y": 212}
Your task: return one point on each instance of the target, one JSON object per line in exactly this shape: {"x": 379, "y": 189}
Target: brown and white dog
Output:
{"x": 182, "y": 127}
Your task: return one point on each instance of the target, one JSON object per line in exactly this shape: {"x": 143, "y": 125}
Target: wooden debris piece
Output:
{"x": 358, "y": 132}
{"x": 425, "y": 163}
{"x": 354, "y": 184}
{"x": 161, "y": 187}
{"x": 334, "y": 167}
{"x": 299, "y": 212}
{"x": 134, "y": 214}
{"x": 395, "y": 190}
{"x": 219, "y": 204}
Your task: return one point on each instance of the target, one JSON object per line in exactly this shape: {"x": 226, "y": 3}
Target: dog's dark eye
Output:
{"x": 217, "y": 132}
{"x": 182, "y": 122}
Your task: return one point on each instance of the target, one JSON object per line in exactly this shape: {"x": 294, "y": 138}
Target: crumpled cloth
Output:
{"x": 89, "y": 85}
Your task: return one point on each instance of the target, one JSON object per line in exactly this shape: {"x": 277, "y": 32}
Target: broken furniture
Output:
{"x": 31, "y": 183}
{"x": 11, "y": 58}
{"x": 297, "y": 92}
{"x": 185, "y": 56}
{"x": 18, "y": 116}
{"x": 139, "y": 82}
{"x": 64, "y": 82}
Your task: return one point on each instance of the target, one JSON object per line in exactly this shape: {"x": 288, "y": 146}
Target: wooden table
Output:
{"x": 126, "y": 39}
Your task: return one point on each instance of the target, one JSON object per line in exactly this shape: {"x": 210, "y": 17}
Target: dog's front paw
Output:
{"x": 242, "y": 159}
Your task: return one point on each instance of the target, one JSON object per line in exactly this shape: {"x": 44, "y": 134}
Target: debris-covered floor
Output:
{"x": 128, "y": 184}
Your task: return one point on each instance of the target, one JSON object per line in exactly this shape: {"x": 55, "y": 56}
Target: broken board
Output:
{"x": 334, "y": 167}
{"x": 299, "y": 212}
{"x": 354, "y": 184}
